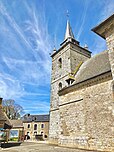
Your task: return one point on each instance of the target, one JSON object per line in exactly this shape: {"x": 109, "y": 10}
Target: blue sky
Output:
{"x": 29, "y": 29}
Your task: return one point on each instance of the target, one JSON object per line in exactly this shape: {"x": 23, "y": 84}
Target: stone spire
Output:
{"x": 69, "y": 33}
{"x": 69, "y": 36}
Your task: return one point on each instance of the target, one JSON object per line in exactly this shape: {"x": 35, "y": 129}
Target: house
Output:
{"x": 36, "y": 126}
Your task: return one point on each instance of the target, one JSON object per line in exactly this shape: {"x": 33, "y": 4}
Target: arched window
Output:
{"x": 28, "y": 125}
{"x": 42, "y": 133}
{"x": 60, "y": 86}
{"x": 42, "y": 125}
{"x": 60, "y": 63}
{"x": 35, "y": 133}
{"x": 35, "y": 127}
{"x": 113, "y": 87}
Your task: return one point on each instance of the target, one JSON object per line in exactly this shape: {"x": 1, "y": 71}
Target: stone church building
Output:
{"x": 82, "y": 93}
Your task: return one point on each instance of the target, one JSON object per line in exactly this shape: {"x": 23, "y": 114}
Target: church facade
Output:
{"x": 82, "y": 93}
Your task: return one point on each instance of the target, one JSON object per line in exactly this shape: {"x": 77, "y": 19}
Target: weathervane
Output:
{"x": 67, "y": 14}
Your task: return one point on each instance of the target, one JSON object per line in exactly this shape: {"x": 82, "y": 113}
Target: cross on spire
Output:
{"x": 67, "y": 14}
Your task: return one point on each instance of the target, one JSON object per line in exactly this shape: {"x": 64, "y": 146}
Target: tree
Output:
{"x": 12, "y": 110}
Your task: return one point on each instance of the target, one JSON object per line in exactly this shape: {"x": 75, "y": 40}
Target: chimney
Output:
{"x": 1, "y": 102}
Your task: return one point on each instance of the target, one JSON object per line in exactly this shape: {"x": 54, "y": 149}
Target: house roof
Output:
{"x": 17, "y": 123}
{"x": 35, "y": 118}
{"x": 93, "y": 67}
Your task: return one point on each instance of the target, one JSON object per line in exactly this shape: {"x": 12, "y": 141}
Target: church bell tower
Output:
{"x": 65, "y": 63}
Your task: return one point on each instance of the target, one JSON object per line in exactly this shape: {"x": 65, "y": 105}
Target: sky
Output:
{"x": 29, "y": 30}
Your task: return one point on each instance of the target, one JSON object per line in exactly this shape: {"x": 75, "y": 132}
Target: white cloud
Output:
{"x": 9, "y": 87}
{"x": 107, "y": 10}
{"x": 20, "y": 66}
{"x": 38, "y": 107}
{"x": 99, "y": 45}
{"x": 83, "y": 19}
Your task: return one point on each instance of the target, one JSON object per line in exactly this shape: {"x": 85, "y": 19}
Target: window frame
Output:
{"x": 35, "y": 126}
{"x": 28, "y": 126}
{"x": 60, "y": 85}
{"x": 60, "y": 63}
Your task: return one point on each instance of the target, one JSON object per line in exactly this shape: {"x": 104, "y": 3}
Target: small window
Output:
{"x": 42, "y": 133}
{"x": 52, "y": 66}
{"x": 27, "y": 133}
{"x": 60, "y": 63}
{"x": 42, "y": 125}
{"x": 45, "y": 136}
{"x": 60, "y": 86}
{"x": 35, "y": 127}
{"x": 28, "y": 125}
{"x": 35, "y": 133}
{"x": 113, "y": 87}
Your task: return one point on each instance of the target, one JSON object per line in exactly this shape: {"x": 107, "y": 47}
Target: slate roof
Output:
{"x": 17, "y": 123}
{"x": 35, "y": 118}
{"x": 94, "y": 66}
{"x": 69, "y": 32}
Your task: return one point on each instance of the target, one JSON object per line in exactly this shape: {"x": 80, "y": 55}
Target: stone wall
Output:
{"x": 86, "y": 118}
{"x": 54, "y": 127}
{"x": 57, "y": 71}
{"x": 75, "y": 58}
{"x": 71, "y": 55}
{"x": 110, "y": 43}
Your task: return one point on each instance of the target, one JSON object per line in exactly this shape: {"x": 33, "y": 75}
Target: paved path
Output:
{"x": 39, "y": 147}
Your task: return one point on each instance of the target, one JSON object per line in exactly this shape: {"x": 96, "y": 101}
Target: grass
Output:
{"x": 14, "y": 139}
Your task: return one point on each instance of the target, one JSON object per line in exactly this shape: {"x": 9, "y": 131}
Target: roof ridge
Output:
{"x": 99, "y": 53}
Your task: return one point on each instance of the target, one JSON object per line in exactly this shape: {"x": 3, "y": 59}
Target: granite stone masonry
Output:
{"x": 82, "y": 93}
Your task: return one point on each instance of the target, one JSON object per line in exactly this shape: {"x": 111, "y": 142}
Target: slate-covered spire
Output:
{"x": 69, "y": 36}
{"x": 69, "y": 33}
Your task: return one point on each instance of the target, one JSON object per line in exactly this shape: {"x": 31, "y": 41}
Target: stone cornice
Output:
{"x": 89, "y": 82}
{"x": 70, "y": 102}
{"x": 66, "y": 45}
{"x": 55, "y": 109}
